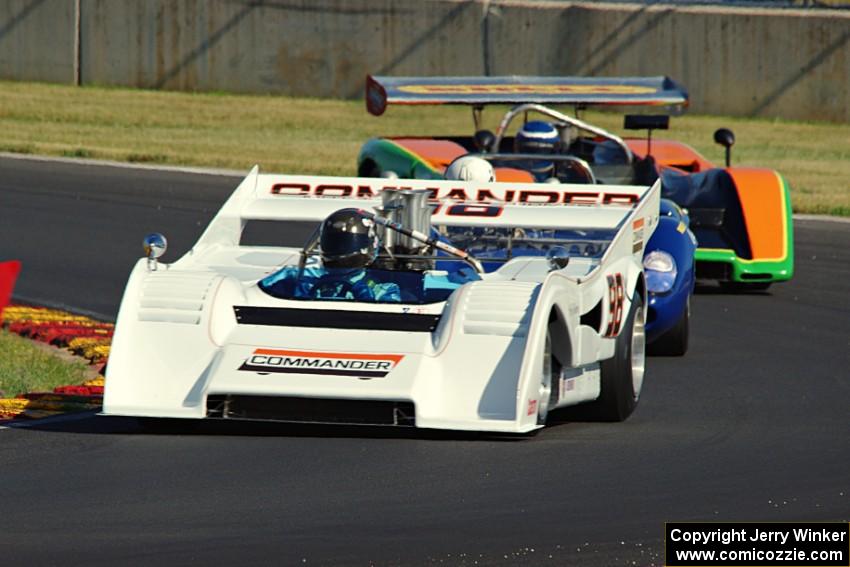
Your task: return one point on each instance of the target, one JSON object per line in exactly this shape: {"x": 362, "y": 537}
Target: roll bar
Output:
{"x": 522, "y": 108}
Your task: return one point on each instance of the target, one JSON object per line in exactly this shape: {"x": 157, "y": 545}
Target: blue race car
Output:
{"x": 668, "y": 257}
{"x": 669, "y": 266}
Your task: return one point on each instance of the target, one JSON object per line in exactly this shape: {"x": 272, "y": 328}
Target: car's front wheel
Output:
{"x": 622, "y": 375}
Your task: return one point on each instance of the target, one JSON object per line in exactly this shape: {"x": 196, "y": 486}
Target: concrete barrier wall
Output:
{"x": 300, "y": 47}
{"x": 37, "y": 40}
{"x": 785, "y": 63}
{"x": 788, "y": 63}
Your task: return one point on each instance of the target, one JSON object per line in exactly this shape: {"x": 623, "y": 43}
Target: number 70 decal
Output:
{"x": 616, "y": 297}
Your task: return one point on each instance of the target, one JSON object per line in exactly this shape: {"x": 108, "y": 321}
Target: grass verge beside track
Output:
{"x": 27, "y": 366}
{"x": 45, "y": 373}
{"x": 298, "y": 135}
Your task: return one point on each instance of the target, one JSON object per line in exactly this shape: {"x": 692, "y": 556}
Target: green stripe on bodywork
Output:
{"x": 391, "y": 156}
{"x": 770, "y": 270}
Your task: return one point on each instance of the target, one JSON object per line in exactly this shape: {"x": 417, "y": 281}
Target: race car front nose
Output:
{"x": 312, "y": 410}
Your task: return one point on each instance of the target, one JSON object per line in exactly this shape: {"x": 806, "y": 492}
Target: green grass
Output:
{"x": 299, "y": 135}
{"x": 29, "y": 367}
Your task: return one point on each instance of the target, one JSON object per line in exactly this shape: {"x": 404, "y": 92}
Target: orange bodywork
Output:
{"x": 669, "y": 153}
{"x": 513, "y": 175}
{"x": 438, "y": 153}
{"x": 763, "y": 201}
{"x": 760, "y": 192}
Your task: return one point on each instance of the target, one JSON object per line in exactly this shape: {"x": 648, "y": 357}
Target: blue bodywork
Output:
{"x": 673, "y": 236}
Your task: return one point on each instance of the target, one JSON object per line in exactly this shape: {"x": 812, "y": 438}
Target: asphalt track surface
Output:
{"x": 751, "y": 425}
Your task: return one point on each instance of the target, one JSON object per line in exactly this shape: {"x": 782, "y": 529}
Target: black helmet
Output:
{"x": 348, "y": 240}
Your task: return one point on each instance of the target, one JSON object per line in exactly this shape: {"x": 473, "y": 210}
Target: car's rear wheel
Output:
{"x": 675, "y": 341}
{"x": 622, "y": 375}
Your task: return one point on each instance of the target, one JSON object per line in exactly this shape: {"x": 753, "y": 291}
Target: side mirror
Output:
{"x": 558, "y": 257}
{"x": 726, "y": 138}
{"x": 154, "y": 245}
{"x": 484, "y": 141}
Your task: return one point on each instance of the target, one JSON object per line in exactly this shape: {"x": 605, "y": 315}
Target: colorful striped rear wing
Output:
{"x": 383, "y": 91}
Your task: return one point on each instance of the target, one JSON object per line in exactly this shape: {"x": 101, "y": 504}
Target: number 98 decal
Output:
{"x": 616, "y": 297}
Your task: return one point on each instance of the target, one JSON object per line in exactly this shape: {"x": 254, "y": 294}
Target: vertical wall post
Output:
{"x": 77, "y": 41}
{"x": 485, "y": 36}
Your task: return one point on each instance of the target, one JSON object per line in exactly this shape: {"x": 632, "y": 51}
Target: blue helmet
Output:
{"x": 538, "y": 137}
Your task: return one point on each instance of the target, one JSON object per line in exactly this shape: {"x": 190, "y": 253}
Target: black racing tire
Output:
{"x": 622, "y": 375}
{"x": 675, "y": 341}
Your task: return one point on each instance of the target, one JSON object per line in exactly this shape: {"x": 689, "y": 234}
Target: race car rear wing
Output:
{"x": 458, "y": 203}
{"x": 480, "y": 91}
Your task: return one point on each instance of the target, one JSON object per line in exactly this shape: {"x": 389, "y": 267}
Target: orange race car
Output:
{"x": 741, "y": 216}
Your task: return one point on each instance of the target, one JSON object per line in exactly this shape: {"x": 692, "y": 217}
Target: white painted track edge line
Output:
{"x": 821, "y": 218}
{"x": 126, "y": 165}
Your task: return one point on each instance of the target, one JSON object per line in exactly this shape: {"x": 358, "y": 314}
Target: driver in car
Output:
{"x": 349, "y": 245}
{"x": 538, "y": 137}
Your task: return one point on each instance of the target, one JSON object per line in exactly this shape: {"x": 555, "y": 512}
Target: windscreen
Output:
{"x": 366, "y": 285}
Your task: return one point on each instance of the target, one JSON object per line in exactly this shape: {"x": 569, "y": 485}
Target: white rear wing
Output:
{"x": 461, "y": 203}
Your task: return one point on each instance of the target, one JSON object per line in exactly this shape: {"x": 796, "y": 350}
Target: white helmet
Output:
{"x": 471, "y": 168}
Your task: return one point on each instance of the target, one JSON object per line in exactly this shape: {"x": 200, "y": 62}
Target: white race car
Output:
{"x": 462, "y": 305}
